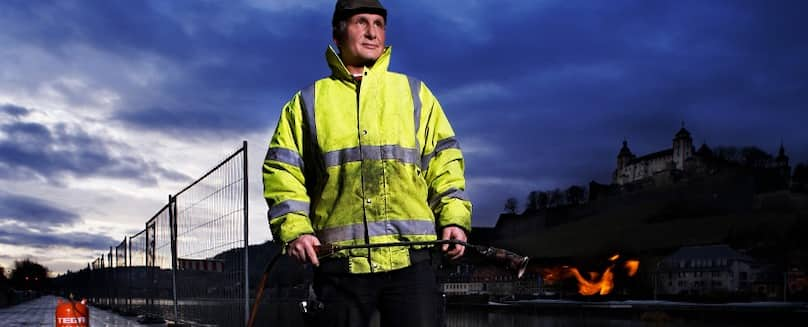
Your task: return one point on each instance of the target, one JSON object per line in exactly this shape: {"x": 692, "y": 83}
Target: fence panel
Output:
{"x": 109, "y": 280}
{"x": 95, "y": 287}
{"x": 211, "y": 239}
{"x": 189, "y": 263}
{"x": 121, "y": 278}
{"x": 160, "y": 291}
{"x": 138, "y": 286}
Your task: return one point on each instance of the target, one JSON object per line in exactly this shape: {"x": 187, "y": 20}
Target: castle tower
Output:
{"x": 704, "y": 151}
{"x": 781, "y": 162}
{"x": 624, "y": 156}
{"x": 782, "y": 158}
{"x": 622, "y": 174}
{"x": 682, "y": 147}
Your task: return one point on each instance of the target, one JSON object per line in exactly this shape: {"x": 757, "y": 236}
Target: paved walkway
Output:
{"x": 41, "y": 312}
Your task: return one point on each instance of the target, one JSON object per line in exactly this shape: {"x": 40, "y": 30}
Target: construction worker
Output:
{"x": 366, "y": 156}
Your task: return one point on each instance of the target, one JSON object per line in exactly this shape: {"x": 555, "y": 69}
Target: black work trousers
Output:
{"x": 406, "y": 297}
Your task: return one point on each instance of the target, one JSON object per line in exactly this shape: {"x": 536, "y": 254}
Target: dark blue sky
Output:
{"x": 130, "y": 100}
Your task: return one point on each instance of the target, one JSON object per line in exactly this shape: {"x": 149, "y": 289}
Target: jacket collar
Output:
{"x": 339, "y": 70}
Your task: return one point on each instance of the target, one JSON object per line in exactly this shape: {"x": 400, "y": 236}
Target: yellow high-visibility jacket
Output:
{"x": 370, "y": 161}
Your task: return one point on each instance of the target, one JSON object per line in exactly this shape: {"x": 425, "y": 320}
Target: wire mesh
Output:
{"x": 137, "y": 274}
{"x": 108, "y": 280}
{"x": 93, "y": 289}
{"x": 210, "y": 246}
{"x": 120, "y": 279}
{"x": 188, "y": 264}
{"x": 158, "y": 253}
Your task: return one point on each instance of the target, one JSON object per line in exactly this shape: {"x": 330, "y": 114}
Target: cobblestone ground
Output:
{"x": 41, "y": 312}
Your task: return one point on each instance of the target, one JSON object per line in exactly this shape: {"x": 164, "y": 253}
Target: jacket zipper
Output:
{"x": 358, "y": 84}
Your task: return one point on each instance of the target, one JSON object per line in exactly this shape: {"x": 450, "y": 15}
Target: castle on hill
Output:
{"x": 682, "y": 159}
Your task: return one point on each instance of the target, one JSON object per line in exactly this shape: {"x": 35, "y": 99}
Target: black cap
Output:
{"x": 347, "y": 8}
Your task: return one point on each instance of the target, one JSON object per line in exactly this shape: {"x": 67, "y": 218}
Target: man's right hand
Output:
{"x": 302, "y": 249}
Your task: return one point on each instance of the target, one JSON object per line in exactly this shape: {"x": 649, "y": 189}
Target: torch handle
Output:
{"x": 511, "y": 260}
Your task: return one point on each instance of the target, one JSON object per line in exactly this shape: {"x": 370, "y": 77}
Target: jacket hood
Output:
{"x": 339, "y": 70}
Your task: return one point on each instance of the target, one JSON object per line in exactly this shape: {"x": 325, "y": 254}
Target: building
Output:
{"x": 631, "y": 168}
{"x": 701, "y": 270}
{"x": 462, "y": 288}
{"x": 682, "y": 159}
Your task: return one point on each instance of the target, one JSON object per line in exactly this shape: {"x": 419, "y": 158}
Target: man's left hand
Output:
{"x": 454, "y": 233}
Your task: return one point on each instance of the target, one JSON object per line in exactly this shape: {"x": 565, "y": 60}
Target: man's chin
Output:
{"x": 369, "y": 59}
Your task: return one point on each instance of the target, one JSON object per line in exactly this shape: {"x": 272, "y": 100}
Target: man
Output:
{"x": 367, "y": 156}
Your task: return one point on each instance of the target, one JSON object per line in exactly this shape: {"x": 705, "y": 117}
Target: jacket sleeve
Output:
{"x": 443, "y": 166}
{"x": 283, "y": 173}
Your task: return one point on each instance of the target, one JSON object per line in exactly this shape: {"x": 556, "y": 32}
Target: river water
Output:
{"x": 477, "y": 317}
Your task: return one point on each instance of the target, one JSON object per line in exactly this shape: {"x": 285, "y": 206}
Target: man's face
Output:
{"x": 363, "y": 41}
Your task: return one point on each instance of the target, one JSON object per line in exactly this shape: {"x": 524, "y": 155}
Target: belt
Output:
{"x": 340, "y": 265}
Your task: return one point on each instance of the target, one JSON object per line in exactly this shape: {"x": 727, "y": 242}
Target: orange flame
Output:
{"x": 597, "y": 283}
{"x": 594, "y": 285}
{"x": 632, "y": 266}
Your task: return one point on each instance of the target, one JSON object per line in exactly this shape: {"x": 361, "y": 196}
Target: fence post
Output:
{"x": 172, "y": 218}
{"x": 130, "y": 290}
{"x": 127, "y": 264}
{"x": 147, "y": 295}
{"x": 110, "y": 280}
{"x": 246, "y": 238}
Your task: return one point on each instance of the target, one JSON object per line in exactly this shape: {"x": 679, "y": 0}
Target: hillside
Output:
{"x": 663, "y": 219}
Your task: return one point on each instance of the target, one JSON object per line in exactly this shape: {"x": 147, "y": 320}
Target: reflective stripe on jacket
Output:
{"x": 365, "y": 162}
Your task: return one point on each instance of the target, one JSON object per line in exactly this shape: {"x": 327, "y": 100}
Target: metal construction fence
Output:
{"x": 189, "y": 263}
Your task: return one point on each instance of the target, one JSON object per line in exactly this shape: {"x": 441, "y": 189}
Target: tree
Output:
{"x": 575, "y": 194}
{"x": 800, "y": 174}
{"x": 556, "y": 198}
{"x": 29, "y": 275}
{"x": 544, "y": 199}
{"x": 728, "y": 153}
{"x": 3, "y": 279}
{"x": 510, "y": 205}
{"x": 755, "y": 157}
{"x": 799, "y": 179}
{"x": 532, "y": 201}
{"x": 748, "y": 156}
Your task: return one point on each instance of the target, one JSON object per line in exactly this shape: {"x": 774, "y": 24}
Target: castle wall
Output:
{"x": 643, "y": 169}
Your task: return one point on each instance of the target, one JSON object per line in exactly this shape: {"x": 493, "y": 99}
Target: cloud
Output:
{"x": 34, "y": 222}
{"x": 55, "y": 239}
{"x": 541, "y": 92}
{"x": 207, "y": 69}
{"x": 34, "y": 213}
{"x": 51, "y": 152}
{"x": 288, "y": 5}
{"x": 475, "y": 92}
{"x": 13, "y": 111}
